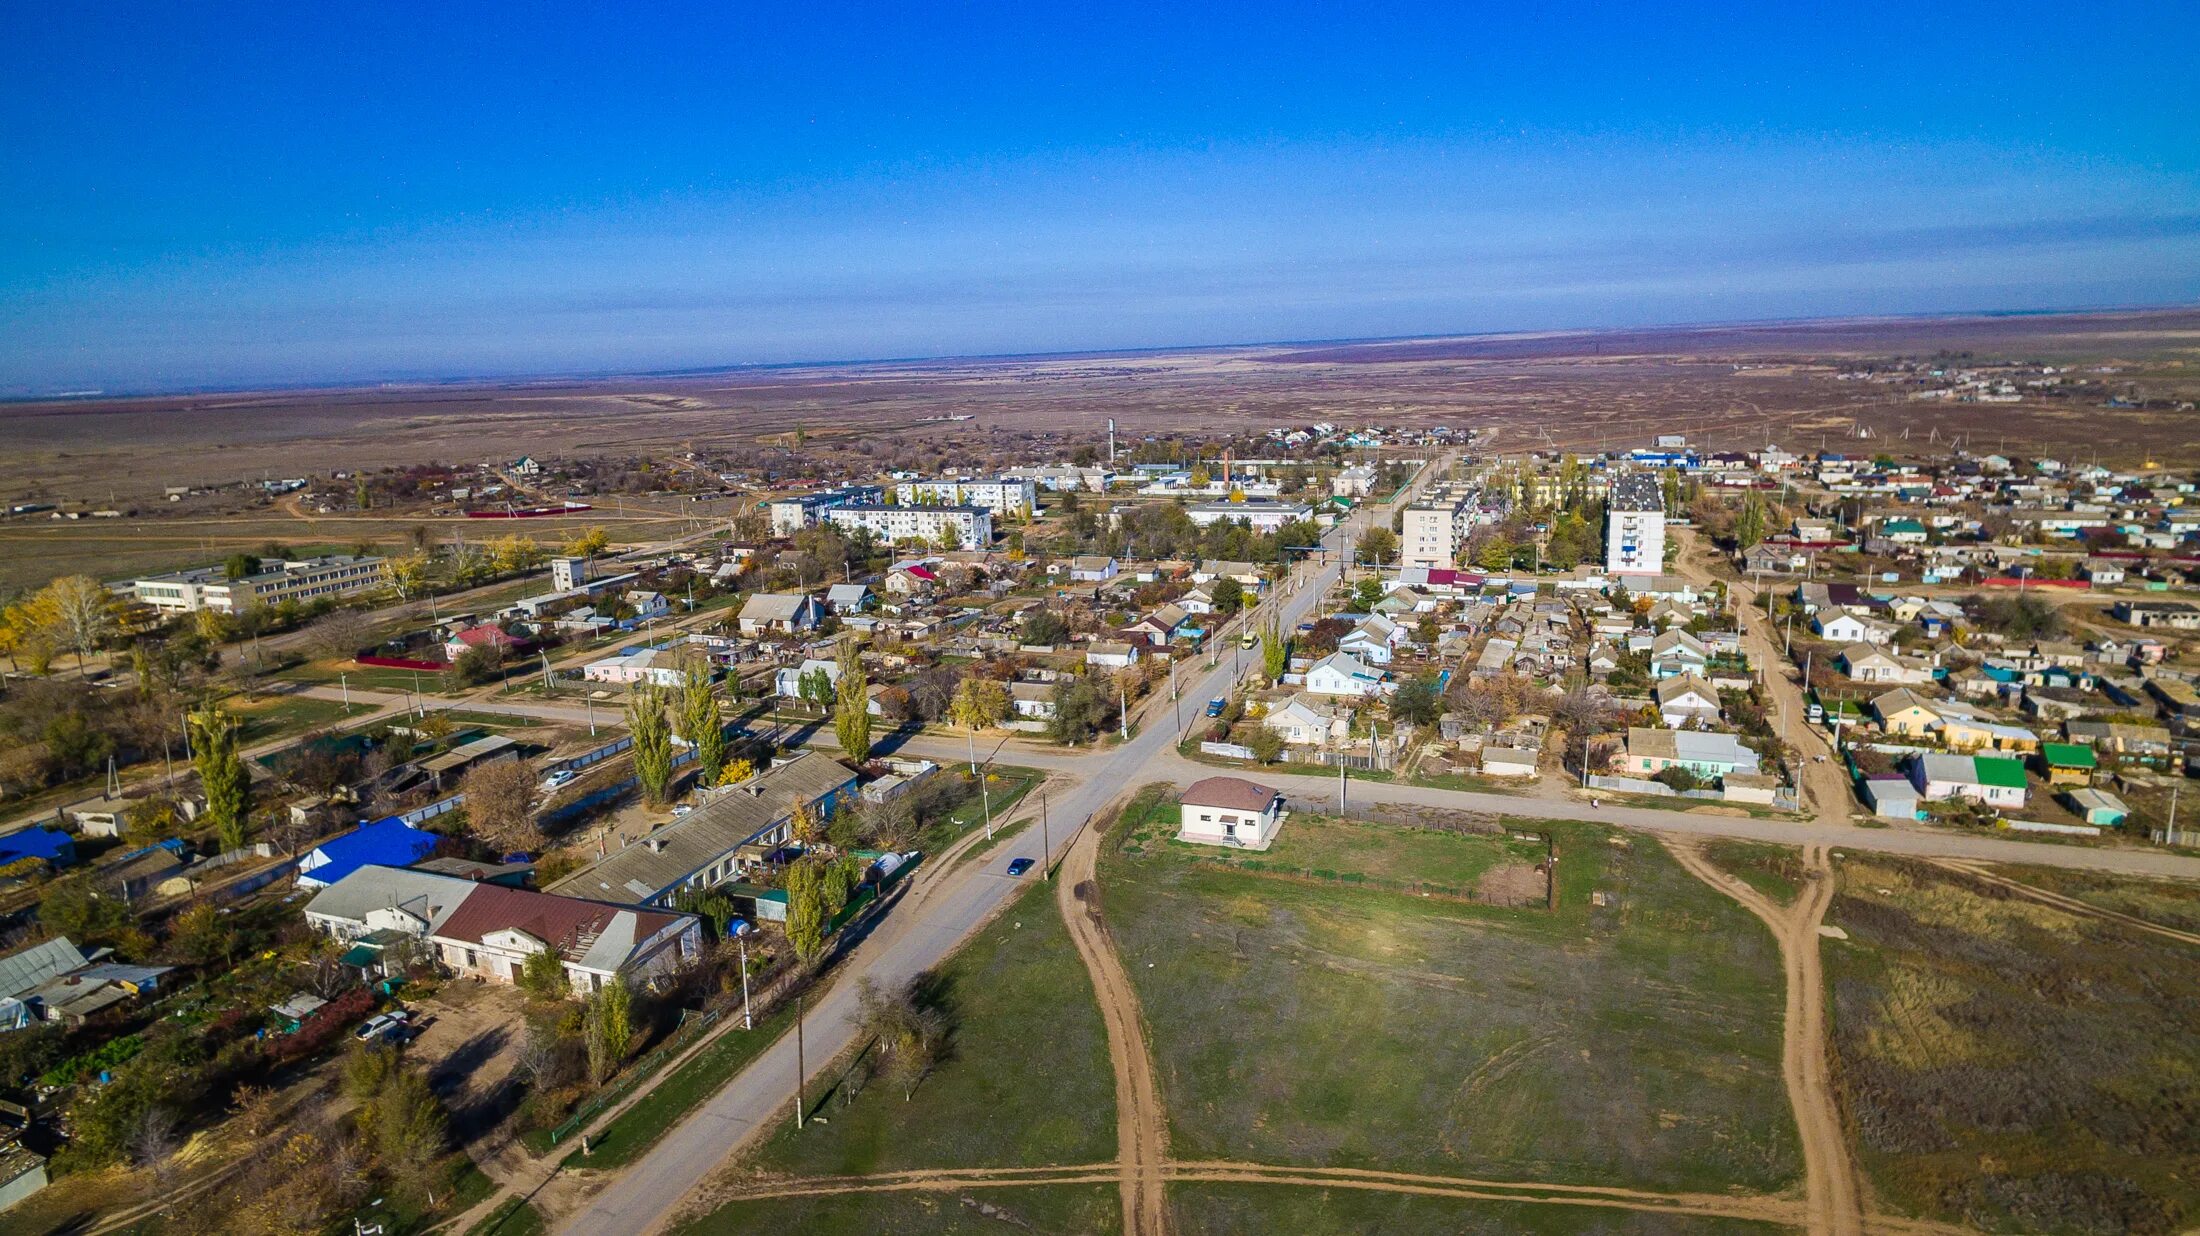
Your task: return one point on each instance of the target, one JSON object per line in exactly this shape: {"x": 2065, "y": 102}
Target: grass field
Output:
{"x": 1635, "y": 1043}
{"x": 2169, "y": 903}
{"x": 272, "y": 717}
{"x": 1026, "y": 1082}
{"x": 1388, "y": 853}
{"x": 679, "y": 1092}
{"x": 1306, "y": 1211}
{"x": 1090, "y": 1208}
{"x": 1774, "y": 870}
{"x": 2009, "y": 1066}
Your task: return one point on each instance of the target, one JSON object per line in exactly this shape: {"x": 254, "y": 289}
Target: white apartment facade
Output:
{"x": 1634, "y": 538}
{"x": 1002, "y": 495}
{"x": 1434, "y": 530}
{"x": 972, "y": 525}
{"x": 1262, "y": 516}
{"x": 304, "y": 581}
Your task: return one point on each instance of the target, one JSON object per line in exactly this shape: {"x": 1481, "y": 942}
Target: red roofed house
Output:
{"x": 495, "y": 929}
{"x": 1230, "y": 811}
{"x": 912, "y": 579}
{"x": 487, "y": 635}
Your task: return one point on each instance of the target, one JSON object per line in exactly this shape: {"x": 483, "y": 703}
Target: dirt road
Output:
{"x": 1141, "y": 1126}
{"x": 1830, "y": 1188}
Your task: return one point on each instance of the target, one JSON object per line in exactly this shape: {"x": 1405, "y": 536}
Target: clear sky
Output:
{"x": 220, "y": 194}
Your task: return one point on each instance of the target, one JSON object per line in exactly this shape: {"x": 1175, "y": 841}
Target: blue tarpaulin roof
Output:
{"x": 56, "y": 848}
{"x": 388, "y": 842}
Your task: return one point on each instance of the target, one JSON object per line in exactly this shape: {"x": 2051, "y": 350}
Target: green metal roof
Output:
{"x": 1999, "y": 771}
{"x": 2068, "y": 755}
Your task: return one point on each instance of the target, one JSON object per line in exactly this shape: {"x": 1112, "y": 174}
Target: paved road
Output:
{"x": 645, "y": 1194}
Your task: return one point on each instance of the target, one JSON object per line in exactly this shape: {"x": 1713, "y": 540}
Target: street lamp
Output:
{"x": 747, "y": 1022}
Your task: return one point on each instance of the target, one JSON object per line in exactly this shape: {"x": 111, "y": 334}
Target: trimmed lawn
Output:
{"x": 1093, "y": 1208}
{"x": 2007, "y": 1066}
{"x": 1026, "y": 1082}
{"x": 1006, "y": 788}
{"x": 1635, "y": 1043}
{"x": 516, "y": 1217}
{"x": 1308, "y": 1211}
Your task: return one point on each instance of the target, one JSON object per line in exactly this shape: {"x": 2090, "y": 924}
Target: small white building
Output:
{"x": 1109, "y": 654}
{"x": 1230, "y": 811}
{"x": 1341, "y": 673}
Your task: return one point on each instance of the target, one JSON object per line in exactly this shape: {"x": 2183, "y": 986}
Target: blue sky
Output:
{"x": 237, "y": 194}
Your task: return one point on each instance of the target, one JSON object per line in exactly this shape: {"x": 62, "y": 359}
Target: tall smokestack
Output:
{"x": 1111, "y": 442}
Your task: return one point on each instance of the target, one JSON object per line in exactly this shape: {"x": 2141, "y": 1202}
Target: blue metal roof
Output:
{"x": 388, "y": 842}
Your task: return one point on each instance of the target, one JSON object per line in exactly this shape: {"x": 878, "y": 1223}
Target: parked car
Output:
{"x": 562, "y": 777}
{"x": 1216, "y": 705}
{"x": 1018, "y": 866}
{"x": 382, "y": 1025}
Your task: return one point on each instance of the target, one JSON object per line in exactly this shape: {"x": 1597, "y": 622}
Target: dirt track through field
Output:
{"x": 1832, "y": 1197}
{"x": 1141, "y": 1127}
{"x": 1759, "y": 1208}
{"x": 2070, "y": 905}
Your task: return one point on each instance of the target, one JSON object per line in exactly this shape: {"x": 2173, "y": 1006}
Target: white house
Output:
{"x": 657, "y": 665}
{"x": 1033, "y": 701}
{"x": 1304, "y": 721}
{"x": 648, "y": 603}
{"x": 1686, "y": 700}
{"x": 1091, "y": 569}
{"x": 1373, "y": 640}
{"x": 787, "y": 681}
{"x": 769, "y": 612}
{"x": 1200, "y": 600}
{"x": 1848, "y": 627}
{"x": 1865, "y": 663}
{"x": 1677, "y": 652}
{"x": 1110, "y": 654}
{"x": 1230, "y": 811}
{"x": 1341, "y": 673}
{"x": 1997, "y": 781}
{"x": 848, "y": 598}
{"x": 493, "y": 932}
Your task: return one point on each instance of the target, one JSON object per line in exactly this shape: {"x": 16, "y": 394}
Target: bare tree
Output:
{"x": 340, "y": 633}
{"x": 153, "y": 1145}
{"x": 500, "y": 804}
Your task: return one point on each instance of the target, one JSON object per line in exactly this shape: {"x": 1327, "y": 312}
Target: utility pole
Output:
{"x": 1122, "y": 712}
{"x": 801, "y": 1068}
{"x": 1046, "y": 842}
{"x": 747, "y": 1022}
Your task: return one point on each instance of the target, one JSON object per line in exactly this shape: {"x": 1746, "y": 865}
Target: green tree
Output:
{"x": 608, "y": 1027}
{"x": 1749, "y": 526}
{"x": 240, "y": 566}
{"x": 652, "y": 733}
{"x": 543, "y": 976}
{"x": 1378, "y": 545}
{"x": 702, "y": 724}
{"x": 1418, "y": 701}
{"x": 1229, "y": 595}
{"x": 815, "y": 687}
{"x": 1367, "y": 592}
{"x": 411, "y": 1134}
{"x": 74, "y": 907}
{"x": 852, "y": 704}
{"x": 1497, "y": 554}
{"x": 817, "y": 889}
{"x": 222, "y": 776}
{"x": 1265, "y": 744}
{"x": 1275, "y": 650}
{"x": 978, "y": 702}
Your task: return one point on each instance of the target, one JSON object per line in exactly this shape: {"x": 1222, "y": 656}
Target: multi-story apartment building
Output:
{"x": 304, "y": 581}
{"x": 1434, "y": 530}
{"x": 1634, "y": 538}
{"x": 1001, "y": 495}
{"x": 972, "y": 525}
{"x": 792, "y": 515}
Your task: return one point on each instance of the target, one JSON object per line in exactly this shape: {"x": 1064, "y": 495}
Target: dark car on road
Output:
{"x": 1018, "y": 866}
{"x": 1215, "y": 707}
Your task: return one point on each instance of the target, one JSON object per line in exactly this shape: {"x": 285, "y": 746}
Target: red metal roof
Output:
{"x": 561, "y": 922}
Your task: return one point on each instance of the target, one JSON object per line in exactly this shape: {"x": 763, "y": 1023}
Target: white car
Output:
{"x": 556, "y": 780}
{"x": 382, "y": 1025}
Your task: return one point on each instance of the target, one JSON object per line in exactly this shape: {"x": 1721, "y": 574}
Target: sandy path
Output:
{"x": 2070, "y": 905}
{"x": 1141, "y": 1127}
{"x": 1830, "y": 1189}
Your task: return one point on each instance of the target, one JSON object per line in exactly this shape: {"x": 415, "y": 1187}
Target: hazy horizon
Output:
{"x": 273, "y": 197}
